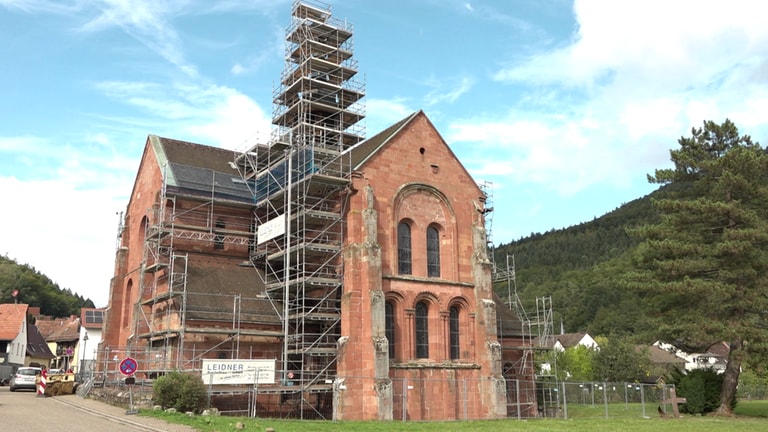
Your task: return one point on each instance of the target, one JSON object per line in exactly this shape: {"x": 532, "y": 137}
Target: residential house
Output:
{"x": 91, "y": 324}
{"x": 62, "y": 336}
{"x": 570, "y": 340}
{"x": 714, "y": 356}
{"x": 662, "y": 362}
{"x": 38, "y": 351}
{"x": 13, "y": 335}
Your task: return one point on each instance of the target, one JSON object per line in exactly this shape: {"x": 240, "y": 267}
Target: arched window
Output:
{"x": 389, "y": 327}
{"x": 127, "y": 304}
{"x": 453, "y": 323}
{"x": 422, "y": 330}
{"x": 433, "y": 252}
{"x": 404, "y": 248}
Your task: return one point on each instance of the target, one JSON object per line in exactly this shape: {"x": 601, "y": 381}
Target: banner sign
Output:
{"x": 238, "y": 371}
{"x": 270, "y": 229}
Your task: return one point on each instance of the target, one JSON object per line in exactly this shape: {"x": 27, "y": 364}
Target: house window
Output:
{"x": 389, "y": 327}
{"x": 404, "y": 248}
{"x": 218, "y": 239}
{"x": 422, "y": 330}
{"x": 453, "y": 323}
{"x": 433, "y": 252}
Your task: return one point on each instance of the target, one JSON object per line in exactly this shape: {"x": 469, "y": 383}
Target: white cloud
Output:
{"x": 237, "y": 69}
{"x": 234, "y": 119}
{"x": 382, "y": 113}
{"x": 23, "y": 144}
{"x": 447, "y": 90}
{"x": 213, "y": 115}
{"x": 634, "y": 78}
{"x": 61, "y": 230}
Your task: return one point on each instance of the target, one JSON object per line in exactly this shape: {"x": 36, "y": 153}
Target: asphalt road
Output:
{"x": 23, "y": 411}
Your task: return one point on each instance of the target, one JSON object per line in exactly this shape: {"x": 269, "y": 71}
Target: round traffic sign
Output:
{"x": 128, "y": 366}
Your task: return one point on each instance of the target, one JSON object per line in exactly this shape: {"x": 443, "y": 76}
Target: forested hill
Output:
{"x": 36, "y": 289}
{"x": 577, "y": 267}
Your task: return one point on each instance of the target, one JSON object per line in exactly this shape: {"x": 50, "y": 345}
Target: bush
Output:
{"x": 700, "y": 388}
{"x": 182, "y": 391}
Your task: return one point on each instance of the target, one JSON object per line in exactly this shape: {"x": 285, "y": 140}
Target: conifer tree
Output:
{"x": 705, "y": 265}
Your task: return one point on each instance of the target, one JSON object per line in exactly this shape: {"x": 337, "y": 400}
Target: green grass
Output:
{"x": 754, "y": 408}
{"x": 751, "y": 416}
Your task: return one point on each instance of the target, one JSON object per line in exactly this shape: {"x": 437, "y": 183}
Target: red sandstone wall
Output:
{"x": 416, "y": 176}
{"x": 146, "y": 189}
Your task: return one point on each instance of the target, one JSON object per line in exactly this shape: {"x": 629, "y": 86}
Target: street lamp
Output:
{"x": 82, "y": 362}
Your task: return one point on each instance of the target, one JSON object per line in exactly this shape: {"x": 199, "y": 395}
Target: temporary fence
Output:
{"x": 570, "y": 400}
{"x": 412, "y": 399}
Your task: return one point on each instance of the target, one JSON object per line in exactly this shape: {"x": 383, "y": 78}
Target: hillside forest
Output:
{"x": 37, "y": 290}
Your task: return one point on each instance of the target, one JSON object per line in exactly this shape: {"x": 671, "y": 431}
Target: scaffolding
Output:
{"x": 299, "y": 182}
{"x": 170, "y": 232}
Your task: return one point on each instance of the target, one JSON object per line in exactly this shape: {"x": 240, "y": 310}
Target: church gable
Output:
{"x": 416, "y": 151}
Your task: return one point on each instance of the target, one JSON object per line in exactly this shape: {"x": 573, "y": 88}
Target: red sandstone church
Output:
{"x": 356, "y": 270}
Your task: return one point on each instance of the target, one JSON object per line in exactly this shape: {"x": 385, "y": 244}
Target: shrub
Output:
{"x": 182, "y": 391}
{"x": 700, "y": 388}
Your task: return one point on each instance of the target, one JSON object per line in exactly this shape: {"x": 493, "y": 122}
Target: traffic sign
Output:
{"x": 128, "y": 366}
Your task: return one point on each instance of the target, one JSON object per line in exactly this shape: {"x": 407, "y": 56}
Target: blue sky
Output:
{"x": 564, "y": 106}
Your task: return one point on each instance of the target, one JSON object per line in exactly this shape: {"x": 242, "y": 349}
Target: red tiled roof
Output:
{"x": 12, "y": 318}
{"x": 67, "y": 330}
{"x": 46, "y": 326}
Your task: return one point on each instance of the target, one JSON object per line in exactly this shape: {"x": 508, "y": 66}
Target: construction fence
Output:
{"x": 411, "y": 402}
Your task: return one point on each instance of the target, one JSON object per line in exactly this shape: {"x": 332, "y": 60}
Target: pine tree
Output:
{"x": 706, "y": 262}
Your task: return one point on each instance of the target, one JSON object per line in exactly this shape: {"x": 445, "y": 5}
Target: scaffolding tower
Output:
{"x": 299, "y": 182}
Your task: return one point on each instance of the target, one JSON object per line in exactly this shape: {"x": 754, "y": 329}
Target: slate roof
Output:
{"x": 36, "y": 345}
{"x": 198, "y": 169}
{"x": 12, "y": 317}
{"x": 509, "y": 324}
{"x": 661, "y": 356}
{"x": 720, "y": 349}
{"x": 568, "y": 340}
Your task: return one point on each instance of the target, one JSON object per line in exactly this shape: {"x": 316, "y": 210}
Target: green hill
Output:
{"x": 35, "y": 289}
{"x": 580, "y": 268}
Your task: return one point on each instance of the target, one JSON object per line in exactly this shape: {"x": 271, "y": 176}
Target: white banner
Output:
{"x": 238, "y": 371}
{"x": 270, "y": 229}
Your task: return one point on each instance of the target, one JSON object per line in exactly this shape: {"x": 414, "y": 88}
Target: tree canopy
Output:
{"x": 704, "y": 267}
{"x": 35, "y": 289}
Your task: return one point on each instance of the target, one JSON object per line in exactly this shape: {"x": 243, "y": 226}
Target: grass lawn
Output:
{"x": 751, "y": 416}
{"x": 754, "y": 408}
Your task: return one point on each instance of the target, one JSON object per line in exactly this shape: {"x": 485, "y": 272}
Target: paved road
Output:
{"x": 24, "y": 411}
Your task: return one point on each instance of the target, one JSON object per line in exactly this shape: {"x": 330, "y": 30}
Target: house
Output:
{"x": 13, "y": 335}
{"x": 63, "y": 341}
{"x": 351, "y": 275}
{"x": 38, "y": 351}
{"x": 662, "y": 362}
{"x": 570, "y": 340}
{"x": 714, "y": 356}
{"x": 91, "y": 323}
